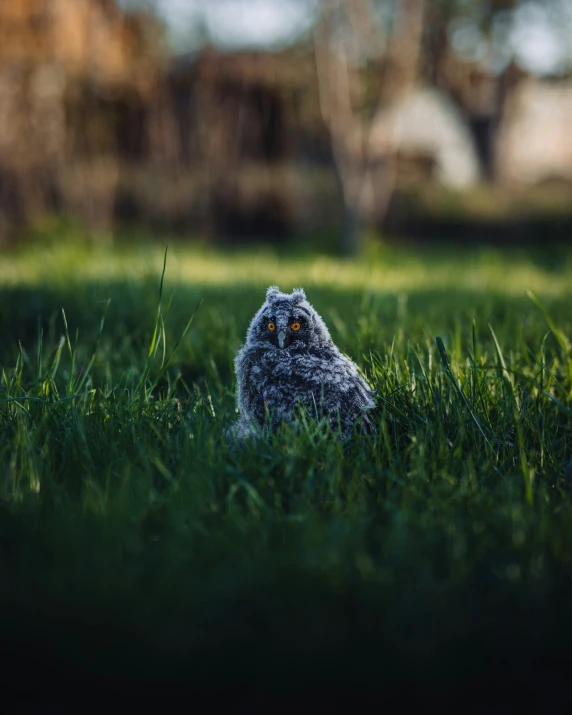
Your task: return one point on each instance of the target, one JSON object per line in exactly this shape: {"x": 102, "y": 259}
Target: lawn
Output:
{"x": 140, "y": 553}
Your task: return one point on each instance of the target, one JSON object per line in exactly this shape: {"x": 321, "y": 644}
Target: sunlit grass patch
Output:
{"x": 383, "y": 270}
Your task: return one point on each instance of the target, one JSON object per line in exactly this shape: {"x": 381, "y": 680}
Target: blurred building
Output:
{"x": 426, "y": 128}
{"x": 98, "y": 123}
{"x": 74, "y": 79}
{"x": 534, "y": 143}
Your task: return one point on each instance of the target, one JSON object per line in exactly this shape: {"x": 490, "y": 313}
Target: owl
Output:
{"x": 290, "y": 366}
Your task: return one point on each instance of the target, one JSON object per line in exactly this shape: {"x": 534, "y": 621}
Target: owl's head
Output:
{"x": 286, "y": 321}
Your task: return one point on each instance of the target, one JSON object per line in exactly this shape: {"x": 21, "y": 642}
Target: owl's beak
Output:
{"x": 282, "y": 338}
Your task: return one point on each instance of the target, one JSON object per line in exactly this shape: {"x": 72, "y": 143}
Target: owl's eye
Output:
{"x": 271, "y": 326}
{"x": 295, "y": 326}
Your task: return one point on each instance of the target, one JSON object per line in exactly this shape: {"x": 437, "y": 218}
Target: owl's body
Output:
{"x": 290, "y": 362}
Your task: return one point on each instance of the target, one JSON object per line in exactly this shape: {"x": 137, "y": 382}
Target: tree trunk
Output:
{"x": 352, "y": 231}
{"x": 344, "y": 106}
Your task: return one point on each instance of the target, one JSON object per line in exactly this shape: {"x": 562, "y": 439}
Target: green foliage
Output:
{"x": 118, "y": 489}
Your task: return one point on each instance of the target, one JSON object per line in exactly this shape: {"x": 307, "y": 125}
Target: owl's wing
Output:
{"x": 359, "y": 400}
{"x": 250, "y": 402}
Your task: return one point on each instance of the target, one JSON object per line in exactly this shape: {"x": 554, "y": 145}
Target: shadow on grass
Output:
{"x": 280, "y": 637}
{"x": 226, "y": 311}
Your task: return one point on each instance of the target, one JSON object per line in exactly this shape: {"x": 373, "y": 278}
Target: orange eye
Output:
{"x": 271, "y": 326}
{"x": 295, "y": 326}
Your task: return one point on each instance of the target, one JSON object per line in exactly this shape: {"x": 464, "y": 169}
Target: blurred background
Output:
{"x": 262, "y": 120}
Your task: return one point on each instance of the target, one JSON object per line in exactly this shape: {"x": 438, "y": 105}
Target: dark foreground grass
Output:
{"x": 141, "y": 554}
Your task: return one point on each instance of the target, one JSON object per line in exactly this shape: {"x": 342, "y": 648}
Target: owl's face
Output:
{"x": 287, "y": 322}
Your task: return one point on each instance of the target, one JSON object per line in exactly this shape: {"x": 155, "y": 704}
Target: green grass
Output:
{"x": 138, "y": 548}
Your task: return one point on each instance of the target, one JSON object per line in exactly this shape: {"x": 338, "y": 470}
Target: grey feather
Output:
{"x": 282, "y": 370}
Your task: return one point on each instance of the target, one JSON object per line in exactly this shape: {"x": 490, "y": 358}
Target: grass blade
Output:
{"x": 449, "y": 373}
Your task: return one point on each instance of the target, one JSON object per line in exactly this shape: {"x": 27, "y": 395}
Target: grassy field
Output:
{"x": 140, "y": 553}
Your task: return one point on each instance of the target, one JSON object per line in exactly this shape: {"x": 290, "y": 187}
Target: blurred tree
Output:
{"x": 98, "y": 118}
{"x": 351, "y": 45}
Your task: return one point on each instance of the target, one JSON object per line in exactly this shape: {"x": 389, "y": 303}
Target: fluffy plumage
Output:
{"x": 290, "y": 362}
